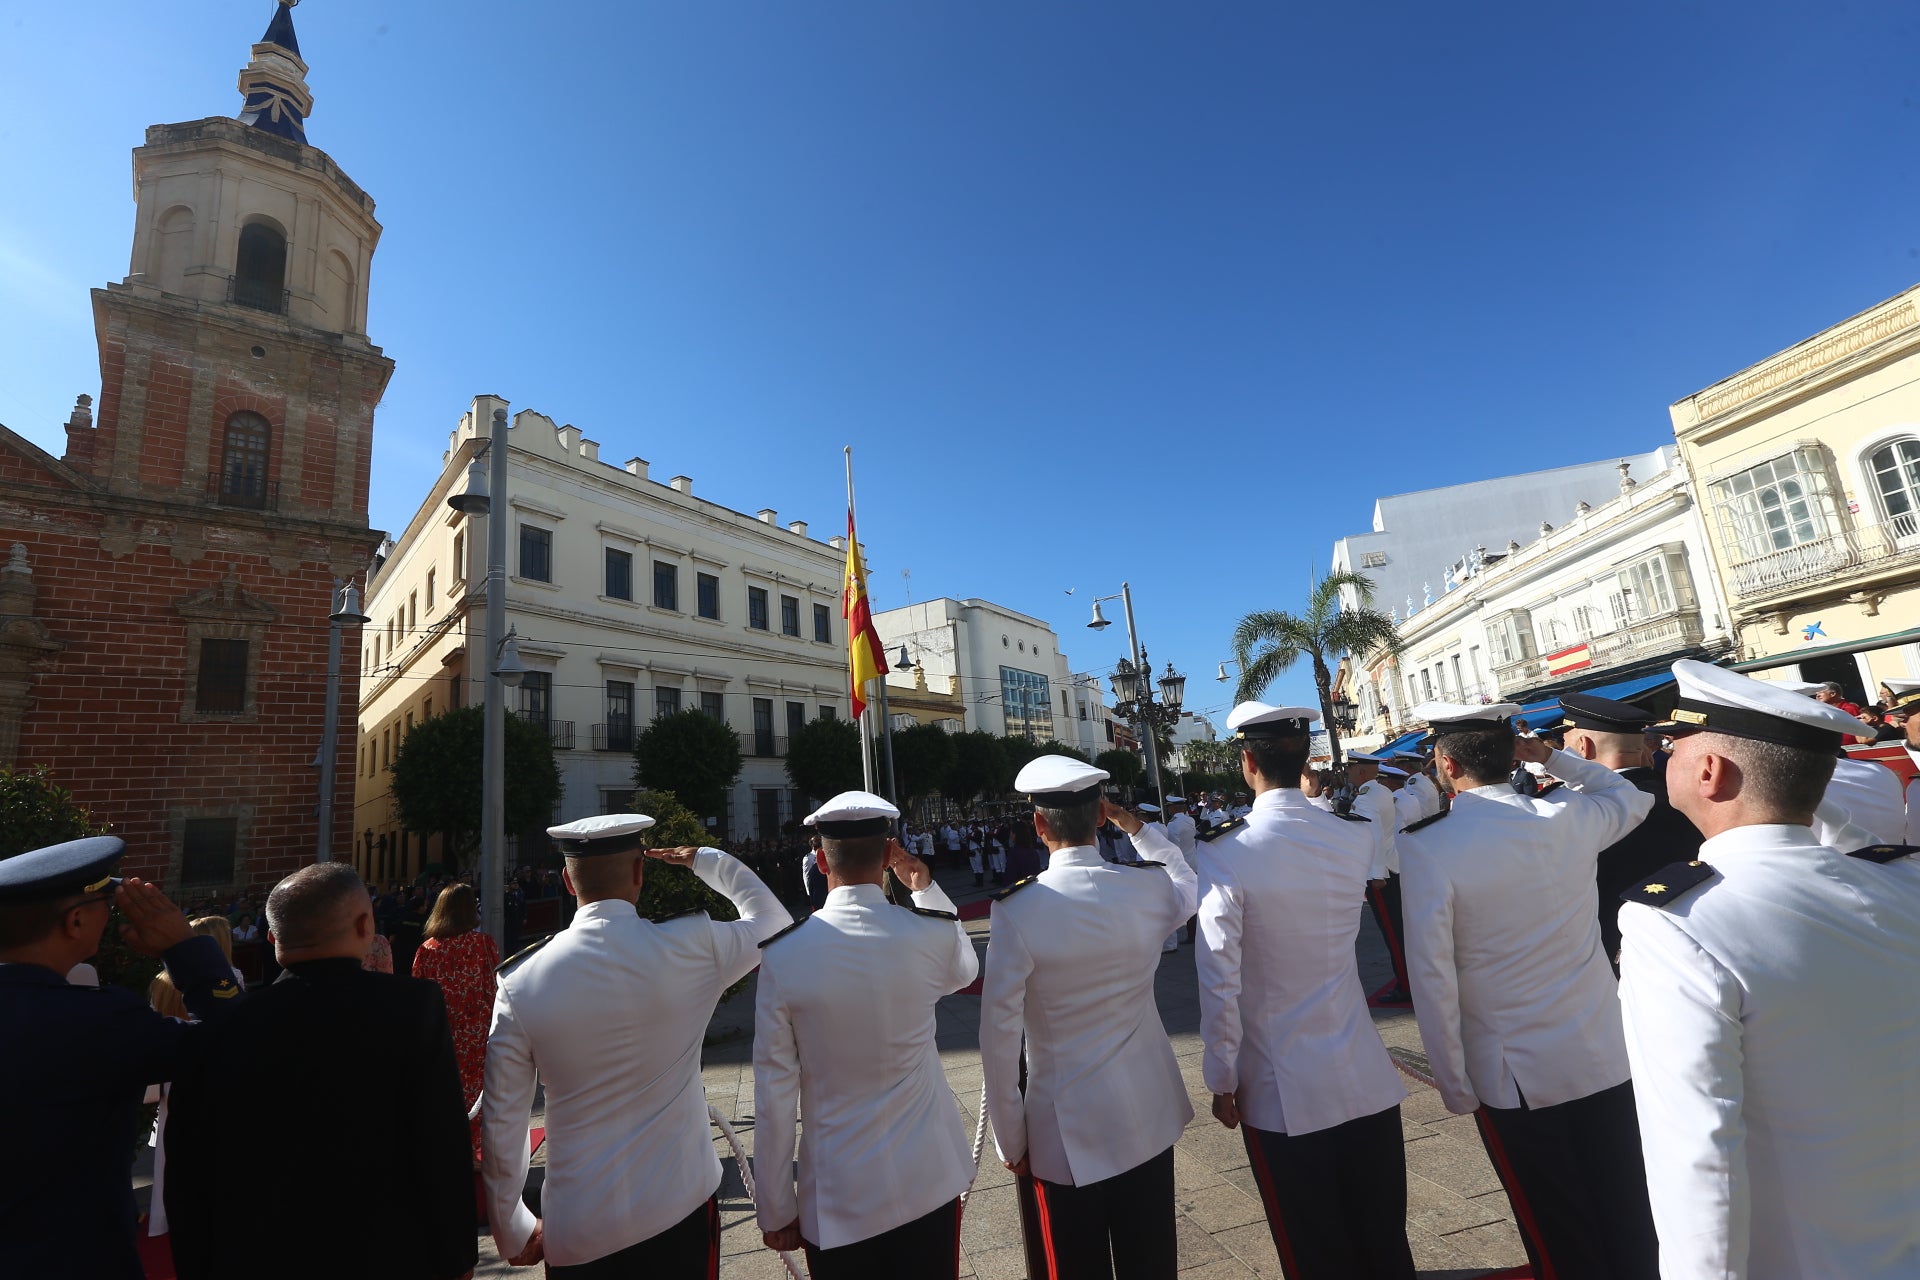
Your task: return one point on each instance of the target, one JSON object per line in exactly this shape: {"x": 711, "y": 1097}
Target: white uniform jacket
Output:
{"x": 1913, "y": 801}
{"x": 1183, "y": 831}
{"x": 1512, "y": 991}
{"x": 1282, "y": 1011}
{"x": 1872, "y": 797}
{"x": 1407, "y": 808}
{"x": 611, "y": 1013}
{"x": 1071, "y": 965}
{"x": 1428, "y": 792}
{"x": 1773, "y": 1020}
{"x": 844, "y": 1034}
{"x": 1375, "y": 802}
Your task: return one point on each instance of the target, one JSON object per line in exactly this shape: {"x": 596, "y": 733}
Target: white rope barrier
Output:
{"x": 746, "y": 1177}
{"x": 979, "y": 1144}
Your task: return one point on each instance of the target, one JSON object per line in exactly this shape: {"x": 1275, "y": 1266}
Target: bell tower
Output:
{"x": 234, "y": 361}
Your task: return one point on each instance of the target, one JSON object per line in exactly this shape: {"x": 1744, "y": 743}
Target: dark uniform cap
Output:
{"x": 78, "y": 866}
{"x": 1602, "y": 715}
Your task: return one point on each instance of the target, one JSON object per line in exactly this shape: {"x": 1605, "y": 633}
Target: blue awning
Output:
{"x": 1549, "y": 711}
{"x": 1405, "y": 742}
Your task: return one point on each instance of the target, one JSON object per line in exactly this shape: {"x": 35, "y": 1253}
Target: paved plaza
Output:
{"x": 1457, "y": 1216}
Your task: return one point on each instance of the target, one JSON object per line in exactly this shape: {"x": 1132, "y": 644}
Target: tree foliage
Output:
{"x": 36, "y": 811}
{"x": 1055, "y": 747}
{"x": 823, "y": 759}
{"x": 693, "y": 755}
{"x": 922, "y": 759}
{"x": 1125, "y": 767}
{"x": 979, "y": 767}
{"x": 669, "y": 890}
{"x": 1268, "y": 642}
{"x": 437, "y": 774}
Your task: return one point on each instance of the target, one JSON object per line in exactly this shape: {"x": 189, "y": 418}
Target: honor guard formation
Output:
{"x": 1673, "y": 975}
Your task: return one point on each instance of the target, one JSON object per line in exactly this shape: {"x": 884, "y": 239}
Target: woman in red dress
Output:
{"x": 462, "y": 960}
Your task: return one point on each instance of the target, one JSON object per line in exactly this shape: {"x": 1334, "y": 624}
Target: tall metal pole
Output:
{"x": 329, "y": 729}
{"x": 886, "y": 744}
{"x": 1144, "y": 699}
{"x": 493, "y": 777}
{"x": 846, "y": 590}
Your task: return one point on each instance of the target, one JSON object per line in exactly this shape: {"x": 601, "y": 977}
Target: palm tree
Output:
{"x": 1269, "y": 641}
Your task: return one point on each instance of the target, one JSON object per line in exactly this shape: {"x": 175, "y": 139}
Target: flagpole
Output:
{"x": 866, "y": 736}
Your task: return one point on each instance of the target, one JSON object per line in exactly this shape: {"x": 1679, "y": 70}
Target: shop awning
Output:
{"x": 1842, "y": 649}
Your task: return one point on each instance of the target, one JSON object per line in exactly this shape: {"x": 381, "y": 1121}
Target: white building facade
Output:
{"x": 631, "y": 599}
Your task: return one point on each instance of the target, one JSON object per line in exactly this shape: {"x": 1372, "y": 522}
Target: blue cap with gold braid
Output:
{"x": 76, "y": 866}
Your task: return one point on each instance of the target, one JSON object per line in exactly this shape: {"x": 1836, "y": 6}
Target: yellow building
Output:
{"x": 1807, "y": 467}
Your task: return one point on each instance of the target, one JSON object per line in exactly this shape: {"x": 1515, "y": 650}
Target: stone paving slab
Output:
{"x": 1458, "y": 1219}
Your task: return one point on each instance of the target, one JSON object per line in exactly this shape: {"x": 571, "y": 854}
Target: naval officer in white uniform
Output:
{"x": 1516, "y": 1001}
{"x": 1772, "y": 1007}
{"x": 610, "y": 1012}
{"x": 1070, "y": 966}
{"x": 844, "y": 1034}
{"x": 1292, "y": 1057}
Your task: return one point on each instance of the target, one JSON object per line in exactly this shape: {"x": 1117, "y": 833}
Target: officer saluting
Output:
{"x": 1772, "y": 1011}
{"x": 1071, "y": 965}
{"x": 844, "y": 1033}
{"x": 1516, "y": 1004}
{"x": 1615, "y": 734}
{"x": 610, "y": 1011}
{"x": 77, "y": 1059}
{"x": 1291, "y": 1052}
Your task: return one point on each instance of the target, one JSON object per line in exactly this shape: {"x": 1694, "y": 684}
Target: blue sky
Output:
{"x": 1096, "y": 291}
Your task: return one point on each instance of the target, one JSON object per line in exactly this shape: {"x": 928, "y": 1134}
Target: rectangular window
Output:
{"x": 1459, "y": 685}
{"x": 431, "y": 573}
{"x": 822, "y": 624}
{"x": 1426, "y": 684}
{"x": 757, "y": 608}
{"x": 707, "y": 586}
{"x": 714, "y": 703}
{"x": 789, "y": 615}
{"x": 386, "y": 746}
{"x": 1653, "y": 586}
{"x": 1027, "y": 704}
{"x": 460, "y": 557}
{"x": 766, "y": 812}
{"x": 829, "y": 712}
{"x": 1783, "y": 503}
{"x": 426, "y": 709}
{"x": 619, "y": 575}
{"x": 222, "y": 689}
{"x": 666, "y": 585}
{"x": 207, "y": 851}
{"x": 536, "y": 698}
{"x": 763, "y": 727}
{"x": 413, "y": 611}
{"x": 796, "y": 719}
{"x": 666, "y": 700}
{"x": 619, "y": 715}
{"x": 536, "y": 553}
{"x": 403, "y": 737}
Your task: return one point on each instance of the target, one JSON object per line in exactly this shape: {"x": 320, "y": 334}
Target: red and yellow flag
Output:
{"x": 866, "y": 656}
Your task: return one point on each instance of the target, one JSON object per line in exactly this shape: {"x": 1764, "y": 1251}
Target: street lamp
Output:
{"x": 1133, "y": 687}
{"x": 1173, "y": 689}
{"x": 479, "y": 499}
{"x": 1343, "y": 710}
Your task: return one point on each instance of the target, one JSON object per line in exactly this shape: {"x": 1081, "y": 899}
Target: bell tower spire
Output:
{"x": 274, "y": 82}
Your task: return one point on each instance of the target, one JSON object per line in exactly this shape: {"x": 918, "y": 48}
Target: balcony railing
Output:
{"x": 238, "y": 489}
{"x": 617, "y": 736}
{"x": 560, "y": 732}
{"x": 764, "y": 745}
{"x": 251, "y": 293}
{"x": 1646, "y": 638}
{"x": 1860, "y": 549}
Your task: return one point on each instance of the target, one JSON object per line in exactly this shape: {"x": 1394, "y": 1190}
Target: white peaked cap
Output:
{"x": 1060, "y": 778}
{"x": 1269, "y": 722}
{"x": 608, "y": 833}
{"x": 851, "y": 806}
{"x": 1716, "y": 700}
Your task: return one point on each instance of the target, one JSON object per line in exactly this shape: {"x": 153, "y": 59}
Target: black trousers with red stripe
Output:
{"x": 1336, "y": 1200}
{"x": 687, "y": 1250}
{"x": 1384, "y": 899}
{"x": 1120, "y": 1228}
{"x": 1577, "y": 1181}
{"x": 928, "y": 1248}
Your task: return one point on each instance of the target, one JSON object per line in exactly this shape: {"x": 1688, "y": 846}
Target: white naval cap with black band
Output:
{"x": 1462, "y": 717}
{"x": 1059, "y": 782}
{"x": 1716, "y": 700}
{"x": 852, "y": 814}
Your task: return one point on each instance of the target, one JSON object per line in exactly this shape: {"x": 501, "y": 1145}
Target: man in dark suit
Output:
{"x": 1614, "y": 734}
{"x": 75, "y": 1060}
{"x": 346, "y": 1079}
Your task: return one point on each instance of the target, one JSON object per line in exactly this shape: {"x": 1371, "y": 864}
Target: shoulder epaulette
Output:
{"x": 523, "y": 953}
{"x": 1884, "y": 853}
{"x": 1142, "y": 863}
{"x": 682, "y": 915}
{"x": 1014, "y": 888}
{"x": 1219, "y": 829}
{"x": 929, "y": 911}
{"x": 1351, "y": 817}
{"x": 784, "y": 932}
{"x": 1668, "y": 883}
{"x": 1427, "y": 821}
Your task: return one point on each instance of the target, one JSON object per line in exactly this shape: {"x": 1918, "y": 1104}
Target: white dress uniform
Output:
{"x": 1431, "y": 801}
{"x": 1873, "y": 799}
{"x": 1773, "y": 1020}
{"x": 844, "y": 1034}
{"x": 1375, "y": 802}
{"x": 611, "y": 1012}
{"x": 1184, "y": 832}
{"x": 1515, "y": 998}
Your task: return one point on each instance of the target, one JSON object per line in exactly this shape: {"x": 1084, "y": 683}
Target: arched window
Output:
{"x": 260, "y": 268}
{"x": 1896, "y": 474}
{"x": 243, "y": 460}
{"x": 172, "y": 248}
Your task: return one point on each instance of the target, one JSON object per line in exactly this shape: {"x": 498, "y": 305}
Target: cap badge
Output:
{"x": 1684, "y": 716}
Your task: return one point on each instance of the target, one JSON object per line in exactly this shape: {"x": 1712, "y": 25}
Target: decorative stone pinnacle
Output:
{"x": 274, "y": 83}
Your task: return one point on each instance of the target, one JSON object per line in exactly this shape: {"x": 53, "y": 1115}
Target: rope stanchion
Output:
{"x": 746, "y": 1177}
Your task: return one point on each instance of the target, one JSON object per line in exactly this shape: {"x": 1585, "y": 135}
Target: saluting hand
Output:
{"x": 1120, "y": 817}
{"x": 1531, "y": 750}
{"x": 909, "y": 870}
{"x": 1226, "y": 1109}
{"x": 153, "y": 924}
{"x": 679, "y": 857}
{"x": 786, "y": 1239}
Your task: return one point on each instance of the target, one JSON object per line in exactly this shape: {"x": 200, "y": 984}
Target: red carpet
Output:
{"x": 976, "y": 910}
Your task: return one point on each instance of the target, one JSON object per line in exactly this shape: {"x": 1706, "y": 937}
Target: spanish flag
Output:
{"x": 866, "y": 656}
